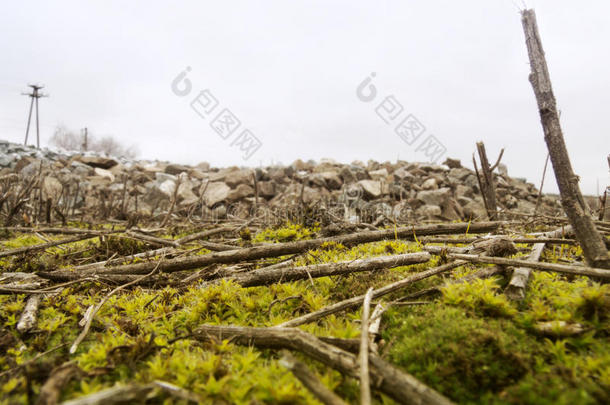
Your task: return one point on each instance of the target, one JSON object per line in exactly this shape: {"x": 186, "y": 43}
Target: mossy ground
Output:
{"x": 470, "y": 343}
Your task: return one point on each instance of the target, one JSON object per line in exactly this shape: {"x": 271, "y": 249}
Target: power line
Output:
{"x": 34, "y": 95}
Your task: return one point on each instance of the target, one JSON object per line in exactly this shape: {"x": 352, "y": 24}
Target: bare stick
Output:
{"x": 173, "y": 202}
{"x": 96, "y": 309}
{"x": 487, "y": 184}
{"x": 518, "y": 282}
{"x": 43, "y": 246}
{"x": 531, "y": 241}
{"x": 497, "y": 161}
{"x": 559, "y": 268}
{"x": 365, "y": 383}
{"x": 151, "y": 239}
{"x": 286, "y": 274}
{"x": 67, "y": 231}
{"x": 310, "y": 380}
{"x": 481, "y": 187}
{"x": 375, "y": 324}
{"x": 355, "y": 301}
{"x": 593, "y": 246}
{"x": 400, "y": 386}
{"x": 281, "y": 249}
{"x": 204, "y": 234}
{"x": 539, "y": 198}
{"x": 122, "y": 259}
{"x": 60, "y": 376}
{"x": 515, "y": 290}
{"x": 28, "y": 318}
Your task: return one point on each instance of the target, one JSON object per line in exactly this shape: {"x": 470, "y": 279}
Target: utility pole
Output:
{"x": 34, "y": 95}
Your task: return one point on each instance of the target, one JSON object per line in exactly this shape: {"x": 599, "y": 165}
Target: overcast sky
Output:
{"x": 289, "y": 72}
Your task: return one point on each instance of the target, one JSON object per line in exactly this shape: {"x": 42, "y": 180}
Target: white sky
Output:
{"x": 289, "y": 71}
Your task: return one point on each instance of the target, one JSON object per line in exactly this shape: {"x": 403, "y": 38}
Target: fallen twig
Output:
{"x": 89, "y": 319}
{"x": 365, "y": 383}
{"x": 355, "y": 301}
{"x": 395, "y": 383}
{"x": 28, "y": 317}
{"x": 281, "y": 249}
{"x": 286, "y": 274}
{"x": 559, "y": 268}
{"x": 310, "y": 380}
{"x": 43, "y": 246}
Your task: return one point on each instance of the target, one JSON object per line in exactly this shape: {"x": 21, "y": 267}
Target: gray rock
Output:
{"x": 459, "y": 173}
{"x": 429, "y": 211}
{"x": 161, "y": 177}
{"x": 185, "y": 193}
{"x": 242, "y": 191}
{"x": 371, "y": 188}
{"x": 197, "y": 174}
{"x": 237, "y": 177}
{"x": 347, "y": 175}
{"x": 7, "y": 160}
{"x": 299, "y": 165}
{"x": 381, "y": 174}
{"x": 463, "y": 191}
{"x": 51, "y": 188}
{"x": 403, "y": 174}
{"x": 203, "y": 166}
{"x": 103, "y": 173}
{"x": 167, "y": 187}
{"x": 435, "y": 197}
{"x": 332, "y": 180}
{"x": 277, "y": 174}
{"x": 452, "y": 163}
{"x": 511, "y": 201}
{"x": 97, "y": 161}
{"x": 266, "y": 189}
{"x": 175, "y": 169}
{"x": 474, "y": 210}
{"x": 215, "y": 192}
{"x": 429, "y": 184}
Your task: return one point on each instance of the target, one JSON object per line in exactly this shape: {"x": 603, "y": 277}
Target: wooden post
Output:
{"x": 488, "y": 190}
{"x": 592, "y": 244}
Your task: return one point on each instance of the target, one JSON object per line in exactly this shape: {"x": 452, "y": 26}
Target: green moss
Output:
{"x": 475, "y": 347}
{"x": 480, "y": 296}
{"x": 461, "y": 356}
{"x": 285, "y": 233}
{"x": 471, "y": 344}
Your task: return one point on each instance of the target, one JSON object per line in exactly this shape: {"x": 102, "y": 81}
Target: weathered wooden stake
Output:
{"x": 488, "y": 190}
{"x": 593, "y": 246}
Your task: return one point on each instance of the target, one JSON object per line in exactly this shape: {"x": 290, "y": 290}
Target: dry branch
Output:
{"x": 559, "y": 268}
{"x": 43, "y": 246}
{"x": 593, "y": 246}
{"x": 355, "y": 301}
{"x": 395, "y": 383}
{"x": 95, "y": 310}
{"x": 281, "y": 249}
{"x": 488, "y": 190}
{"x": 205, "y": 234}
{"x": 151, "y": 239}
{"x": 60, "y": 376}
{"x": 286, "y": 274}
{"x": 134, "y": 393}
{"x": 66, "y": 231}
{"x": 363, "y": 357}
{"x": 515, "y": 290}
{"x": 310, "y": 380}
{"x": 28, "y": 318}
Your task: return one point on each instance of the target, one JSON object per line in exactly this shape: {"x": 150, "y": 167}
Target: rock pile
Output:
{"x": 92, "y": 185}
